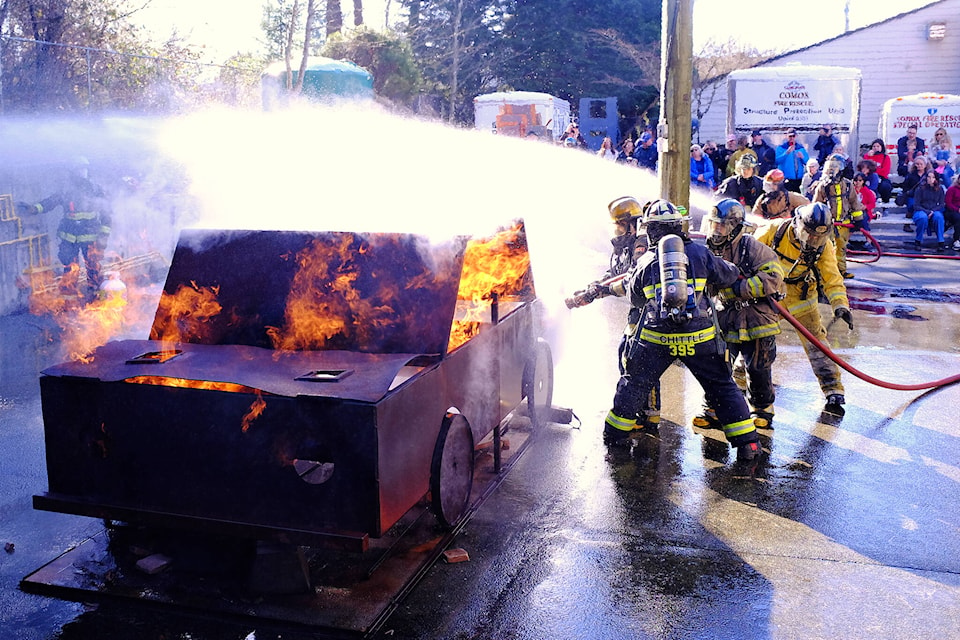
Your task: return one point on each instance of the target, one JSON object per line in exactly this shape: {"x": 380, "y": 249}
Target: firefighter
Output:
{"x": 677, "y": 322}
{"x": 627, "y": 248}
{"x": 776, "y": 201}
{"x": 805, "y": 247}
{"x": 85, "y": 226}
{"x": 847, "y": 211}
{"x": 747, "y": 319}
{"x": 745, "y": 186}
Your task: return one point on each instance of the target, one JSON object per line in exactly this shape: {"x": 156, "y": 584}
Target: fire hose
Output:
{"x": 849, "y": 368}
{"x": 893, "y": 254}
{"x": 583, "y": 298}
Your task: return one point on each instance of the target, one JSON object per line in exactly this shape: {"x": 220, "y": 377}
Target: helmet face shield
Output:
{"x": 812, "y": 238}
{"x": 811, "y": 223}
{"x": 724, "y": 221}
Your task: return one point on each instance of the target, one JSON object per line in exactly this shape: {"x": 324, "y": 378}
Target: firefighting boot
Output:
{"x": 649, "y": 424}
{"x": 616, "y": 430}
{"x": 749, "y": 460}
{"x": 763, "y": 418}
{"x": 707, "y": 419}
{"x": 834, "y": 406}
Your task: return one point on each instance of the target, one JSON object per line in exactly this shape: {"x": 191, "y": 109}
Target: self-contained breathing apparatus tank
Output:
{"x": 673, "y": 278}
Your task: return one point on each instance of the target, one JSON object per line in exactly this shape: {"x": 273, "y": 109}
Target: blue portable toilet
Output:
{"x": 599, "y": 119}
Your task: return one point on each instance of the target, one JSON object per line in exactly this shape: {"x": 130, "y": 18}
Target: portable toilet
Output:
{"x": 323, "y": 79}
{"x": 599, "y": 119}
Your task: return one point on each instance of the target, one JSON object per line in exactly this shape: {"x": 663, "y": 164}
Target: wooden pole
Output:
{"x": 676, "y": 82}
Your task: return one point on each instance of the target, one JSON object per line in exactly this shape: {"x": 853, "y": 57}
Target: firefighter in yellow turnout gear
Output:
{"x": 805, "y": 247}
{"x": 845, "y": 207}
{"x": 677, "y": 322}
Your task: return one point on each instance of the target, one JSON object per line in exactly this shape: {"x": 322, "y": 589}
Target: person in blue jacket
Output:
{"x": 792, "y": 159}
{"x": 701, "y": 169}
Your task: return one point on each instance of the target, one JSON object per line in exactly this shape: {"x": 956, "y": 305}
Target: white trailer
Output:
{"x": 521, "y": 113}
{"x": 926, "y": 111}
{"x": 801, "y": 97}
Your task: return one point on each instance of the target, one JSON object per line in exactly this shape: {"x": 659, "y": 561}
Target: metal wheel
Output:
{"x": 451, "y": 472}
{"x": 538, "y": 382}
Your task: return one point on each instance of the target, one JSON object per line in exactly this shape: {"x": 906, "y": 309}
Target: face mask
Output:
{"x": 769, "y": 187}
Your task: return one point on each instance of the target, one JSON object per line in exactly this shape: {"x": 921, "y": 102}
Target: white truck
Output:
{"x": 801, "y": 97}
{"x": 522, "y": 114}
{"x": 927, "y": 111}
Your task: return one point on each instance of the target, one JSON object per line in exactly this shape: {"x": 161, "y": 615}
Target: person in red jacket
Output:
{"x": 867, "y": 197}
{"x": 951, "y": 210}
{"x": 878, "y": 153}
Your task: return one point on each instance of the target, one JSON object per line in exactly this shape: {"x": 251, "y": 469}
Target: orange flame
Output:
{"x": 325, "y": 306}
{"x": 496, "y": 265}
{"x": 93, "y": 326}
{"x": 185, "y": 383}
{"x": 181, "y": 316}
{"x": 255, "y": 411}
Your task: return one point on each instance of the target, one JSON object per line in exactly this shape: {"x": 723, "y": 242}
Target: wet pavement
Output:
{"x": 850, "y": 530}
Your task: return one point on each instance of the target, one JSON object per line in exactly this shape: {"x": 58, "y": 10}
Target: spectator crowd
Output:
{"x": 773, "y": 181}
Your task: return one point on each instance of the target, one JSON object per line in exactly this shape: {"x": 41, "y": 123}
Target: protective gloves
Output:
{"x": 844, "y": 314}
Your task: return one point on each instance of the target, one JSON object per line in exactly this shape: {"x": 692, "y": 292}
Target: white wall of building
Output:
{"x": 895, "y": 57}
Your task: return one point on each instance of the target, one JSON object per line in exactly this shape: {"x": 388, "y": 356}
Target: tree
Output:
{"x": 386, "y": 55}
{"x": 334, "y": 17}
{"x": 456, "y": 45}
{"x": 581, "y": 48}
{"x": 71, "y": 54}
{"x": 715, "y": 60}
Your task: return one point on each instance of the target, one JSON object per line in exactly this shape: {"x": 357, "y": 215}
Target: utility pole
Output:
{"x": 676, "y": 85}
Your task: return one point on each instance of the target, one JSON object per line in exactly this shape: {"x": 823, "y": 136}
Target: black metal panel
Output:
{"x": 275, "y": 372}
{"x": 184, "y": 451}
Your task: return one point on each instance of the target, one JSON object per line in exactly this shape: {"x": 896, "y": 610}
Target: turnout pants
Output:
{"x": 826, "y": 370}
{"x": 758, "y": 356}
{"x": 648, "y": 361}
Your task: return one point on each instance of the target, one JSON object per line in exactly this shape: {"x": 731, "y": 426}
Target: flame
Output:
{"x": 186, "y": 383}
{"x": 256, "y": 409}
{"x": 93, "y": 326}
{"x": 494, "y": 266}
{"x": 182, "y": 316}
{"x": 326, "y": 308}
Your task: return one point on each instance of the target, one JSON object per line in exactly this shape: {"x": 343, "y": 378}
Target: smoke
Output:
{"x": 357, "y": 168}
{"x": 337, "y": 168}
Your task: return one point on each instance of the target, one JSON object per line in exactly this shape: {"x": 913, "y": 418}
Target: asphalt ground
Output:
{"x": 851, "y": 528}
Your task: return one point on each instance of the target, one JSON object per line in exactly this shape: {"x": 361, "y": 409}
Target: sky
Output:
{"x": 224, "y": 27}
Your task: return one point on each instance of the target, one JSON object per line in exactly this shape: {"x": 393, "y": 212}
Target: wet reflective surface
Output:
{"x": 851, "y": 529}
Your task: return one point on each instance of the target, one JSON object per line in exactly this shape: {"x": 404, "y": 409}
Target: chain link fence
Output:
{"x": 38, "y": 76}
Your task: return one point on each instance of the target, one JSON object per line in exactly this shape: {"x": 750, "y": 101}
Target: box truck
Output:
{"x": 801, "y": 97}
{"x": 927, "y": 112}
{"x": 522, "y": 113}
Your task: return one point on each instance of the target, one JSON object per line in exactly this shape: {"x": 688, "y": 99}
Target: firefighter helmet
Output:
{"x": 773, "y": 180}
{"x": 662, "y": 211}
{"x": 833, "y": 166}
{"x": 661, "y": 218}
{"x": 724, "y": 223}
{"x": 811, "y": 224}
{"x": 746, "y": 161}
{"x": 624, "y": 209}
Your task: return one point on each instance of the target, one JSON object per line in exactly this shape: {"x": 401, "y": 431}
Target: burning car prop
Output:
{"x": 306, "y": 387}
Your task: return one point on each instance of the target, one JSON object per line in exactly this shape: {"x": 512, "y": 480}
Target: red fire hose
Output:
{"x": 892, "y": 254}
{"x": 830, "y": 354}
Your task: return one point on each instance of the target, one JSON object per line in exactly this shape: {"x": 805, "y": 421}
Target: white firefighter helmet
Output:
{"x": 833, "y": 167}
{"x": 811, "y": 224}
{"x": 723, "y": 223}
{"x": 661, "y": 218}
